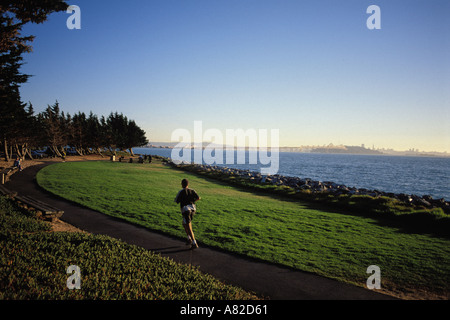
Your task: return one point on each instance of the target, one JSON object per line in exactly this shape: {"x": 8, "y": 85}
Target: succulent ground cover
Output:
{"x": 34, "y": 262}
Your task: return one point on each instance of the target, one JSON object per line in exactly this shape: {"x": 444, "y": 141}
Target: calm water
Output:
{"x": 410, "y": 175}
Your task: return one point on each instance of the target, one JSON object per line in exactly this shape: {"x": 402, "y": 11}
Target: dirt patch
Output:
{"x": 29, "y": 163}
{"x": 61, "y": 226}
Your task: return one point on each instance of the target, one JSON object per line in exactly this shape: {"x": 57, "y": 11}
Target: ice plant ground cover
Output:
{"x": 34, "y": 261}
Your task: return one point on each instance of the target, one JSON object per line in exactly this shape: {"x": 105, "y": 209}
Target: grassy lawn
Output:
{"x": 298, "y": 234}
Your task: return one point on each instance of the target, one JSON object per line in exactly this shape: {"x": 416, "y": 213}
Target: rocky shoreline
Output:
{"x": 313, "y": 186}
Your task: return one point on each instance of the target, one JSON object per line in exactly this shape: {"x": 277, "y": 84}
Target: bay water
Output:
{"x": 397, "y": 174}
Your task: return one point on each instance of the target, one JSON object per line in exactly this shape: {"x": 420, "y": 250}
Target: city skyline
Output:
{"x": 312, "y": 69}
{"x": 305, "y": 148}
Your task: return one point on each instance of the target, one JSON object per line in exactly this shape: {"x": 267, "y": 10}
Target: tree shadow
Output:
{"x": 170, "y": 250}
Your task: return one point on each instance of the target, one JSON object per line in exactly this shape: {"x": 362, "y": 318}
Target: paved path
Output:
{"x": 269, "y": 280}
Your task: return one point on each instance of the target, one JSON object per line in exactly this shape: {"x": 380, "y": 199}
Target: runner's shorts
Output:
{"x": 188, "y": 213}
{"x": 188, "y": 216}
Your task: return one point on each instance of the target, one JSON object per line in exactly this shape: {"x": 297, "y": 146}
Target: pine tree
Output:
{"x": 135, "y": 136}
{"x": 13, "y": 15}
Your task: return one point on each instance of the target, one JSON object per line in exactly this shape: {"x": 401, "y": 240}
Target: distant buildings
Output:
{"x": 331, "y": 148}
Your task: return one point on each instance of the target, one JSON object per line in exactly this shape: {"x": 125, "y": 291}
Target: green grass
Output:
{"x": 33, "y": 264}
{"x": 276, "y": 228}
{"x": 412, "y": 217}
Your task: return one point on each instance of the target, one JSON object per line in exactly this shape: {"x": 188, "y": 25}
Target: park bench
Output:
{"x": 5, "y": 172}
{"x": 42, "y": 209}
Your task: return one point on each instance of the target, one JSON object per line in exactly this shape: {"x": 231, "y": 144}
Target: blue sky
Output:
{"x": 311, "y": 69}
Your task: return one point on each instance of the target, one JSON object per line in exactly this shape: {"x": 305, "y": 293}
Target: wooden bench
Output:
{"x": 4, "y": 173}
{"x": 43, "y": 210}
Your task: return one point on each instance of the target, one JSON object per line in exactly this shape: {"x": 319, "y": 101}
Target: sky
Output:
{"x": 311, "y": 69}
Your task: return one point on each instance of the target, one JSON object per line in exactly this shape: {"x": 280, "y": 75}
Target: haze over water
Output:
{"x": 397, "y": 174}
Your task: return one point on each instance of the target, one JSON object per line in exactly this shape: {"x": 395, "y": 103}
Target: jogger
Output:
{"x": 187, "y": 197}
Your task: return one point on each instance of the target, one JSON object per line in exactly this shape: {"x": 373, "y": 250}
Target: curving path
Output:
{"x": 269, "y": 280}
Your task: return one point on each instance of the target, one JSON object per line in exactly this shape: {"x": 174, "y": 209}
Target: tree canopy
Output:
{"x": 86, "y": 133}
{"x": 20, "y": 128}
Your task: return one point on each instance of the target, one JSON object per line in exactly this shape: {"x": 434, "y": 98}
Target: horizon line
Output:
{"x": 329, "y": 146}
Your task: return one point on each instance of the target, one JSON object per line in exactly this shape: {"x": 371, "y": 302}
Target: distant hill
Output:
{"x": 332, "y": 149}
{"x": 314, "y": 149}
{"x": 340, "y": 149}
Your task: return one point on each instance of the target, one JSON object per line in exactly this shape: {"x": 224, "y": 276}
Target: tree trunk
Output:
{"x": 56, "y": 151}
{"x": 28, "y": 152}
{"x": 5, "y": 144}
{"x": 63, "y": 152}
{"x": 100, "y": 152}
{"x": 19, "y": 153}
